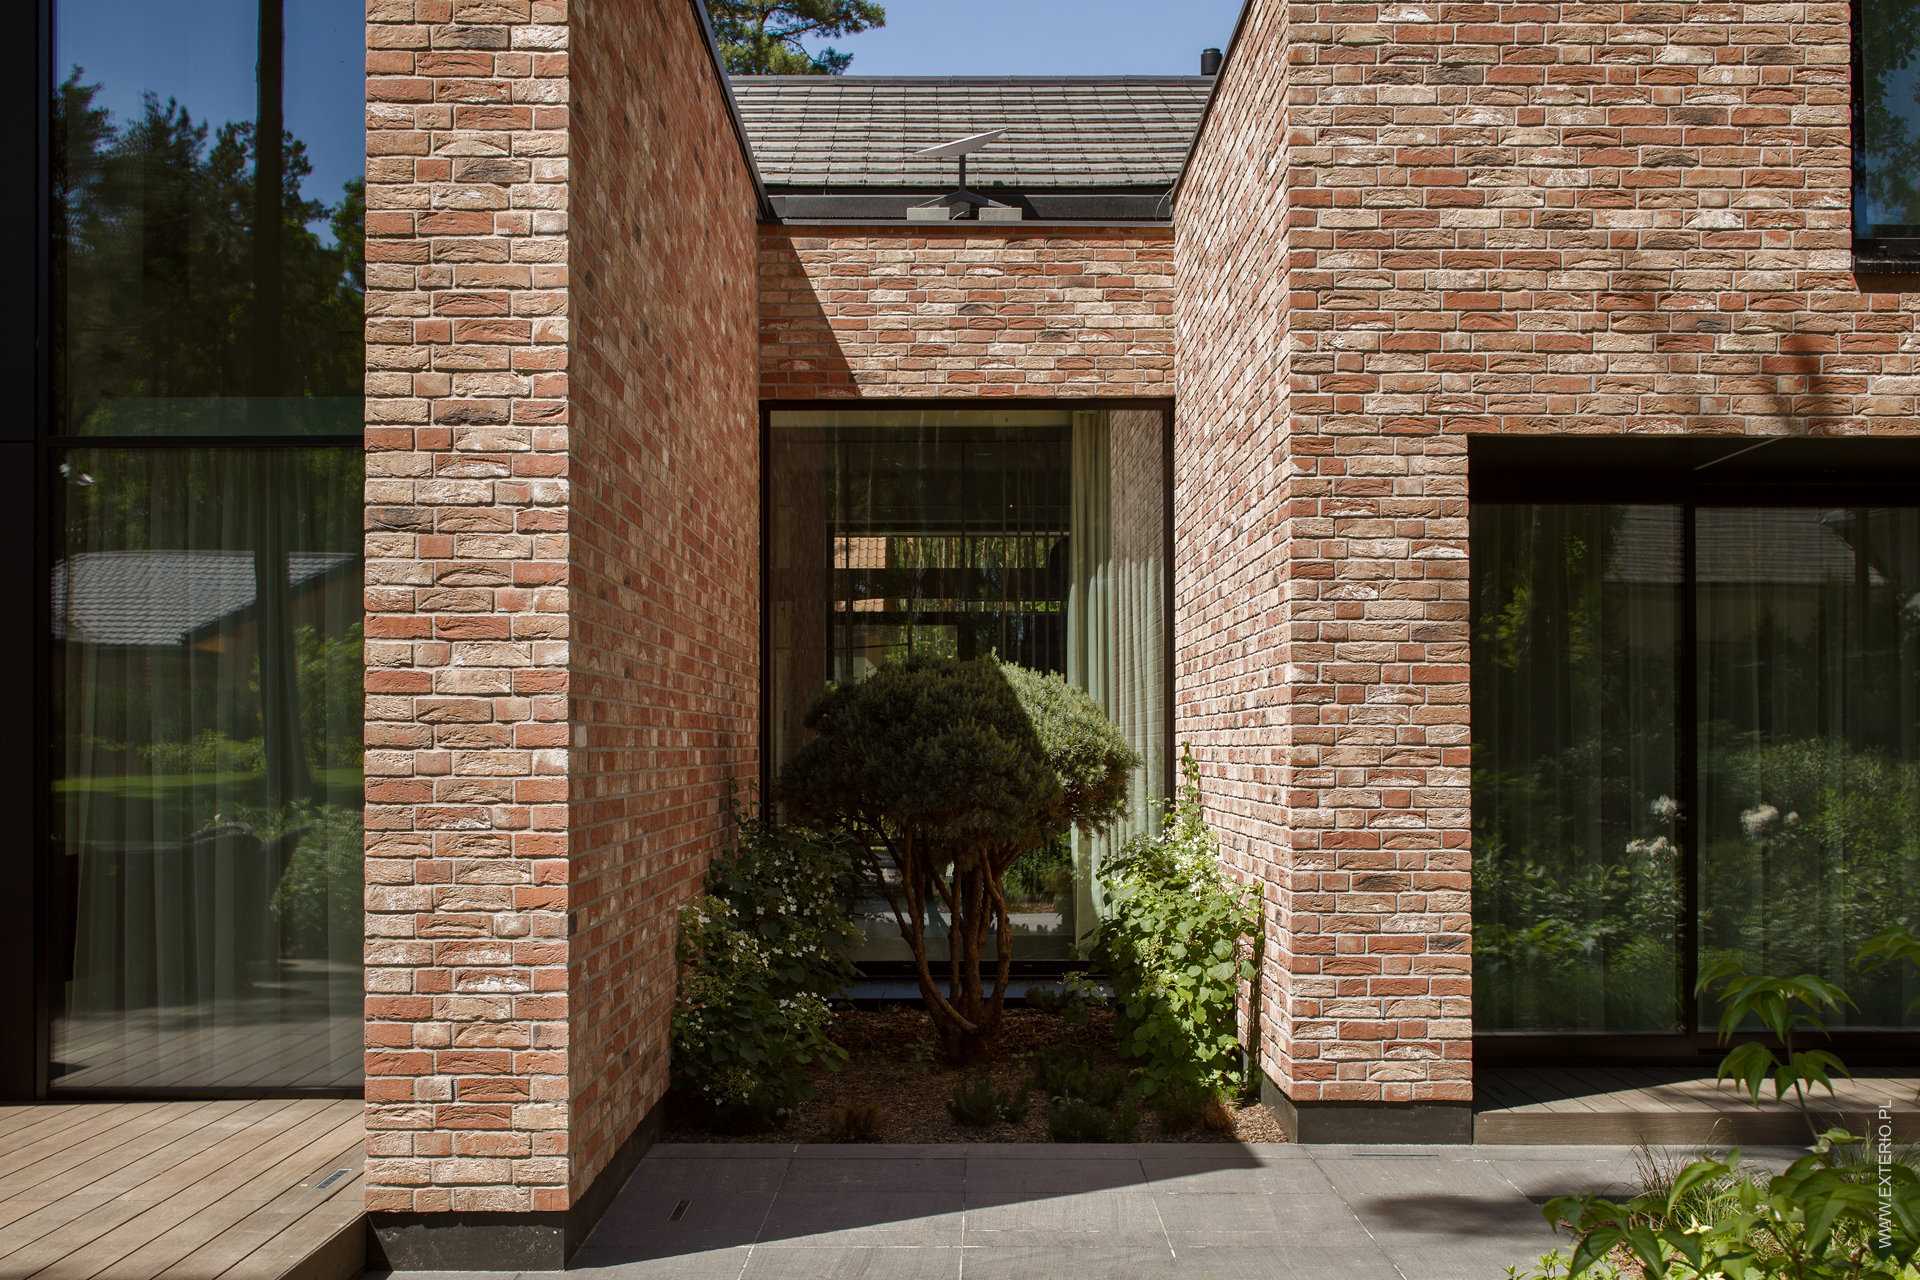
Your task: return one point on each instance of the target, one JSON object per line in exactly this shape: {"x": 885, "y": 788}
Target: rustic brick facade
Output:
{"x": 965, "y": 312}
{"x": 666, "y": 535}
{"x": 560, "y": 678}
{"x": 1407, "y": 223}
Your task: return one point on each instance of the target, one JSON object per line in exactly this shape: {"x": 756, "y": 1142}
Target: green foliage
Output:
{"x": 1072, "y": 999}
{"x": 1844, "y": 1211}
{"x": 767, "y": 37}
{"x": 319, "y": 902}
{"x": 1889, "y": 947}
{"x": 976, "y": 1104}
{"x": 1184, "y": 1106}
{"x": 208, "y": 751}
{"x": 1821, "y": 1218}
{"x": 1791, "y": 1009}
{"x": 1178, "y": 942}
{"x": 1078, "y": 1120}
{"x": 950, "y": 771}
{"x": 1074, "y": 1073}
{"x": 759, "y": 955}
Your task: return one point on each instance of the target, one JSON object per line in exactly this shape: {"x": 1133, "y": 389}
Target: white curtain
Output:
{"x": 207, "y": 640}
{"x": 1116, "y": 615}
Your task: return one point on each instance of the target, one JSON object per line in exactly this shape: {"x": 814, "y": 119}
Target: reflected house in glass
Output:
{"x": 1494, "y": 454}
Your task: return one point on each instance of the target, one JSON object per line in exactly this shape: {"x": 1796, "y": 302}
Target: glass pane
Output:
{"x": 1037, "y": 536}
{"x": 1809, "y": 677}
{"x": 204, "y": 285}
{"x": 206, "y": 647}
{"x": 1886, "y": 175}
{"x": 1576, "y": 870}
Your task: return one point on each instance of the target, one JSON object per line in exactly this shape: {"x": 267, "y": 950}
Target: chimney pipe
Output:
{"x": 1209, "y": 62}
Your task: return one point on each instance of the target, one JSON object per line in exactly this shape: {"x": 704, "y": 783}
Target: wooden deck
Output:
{"x": 234, "y": 1190}
{"x": 1605, "y": 1105}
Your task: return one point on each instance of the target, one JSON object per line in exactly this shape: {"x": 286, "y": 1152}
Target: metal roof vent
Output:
{"x": 962, "y": 201}
{"x": 1209, "y": 62}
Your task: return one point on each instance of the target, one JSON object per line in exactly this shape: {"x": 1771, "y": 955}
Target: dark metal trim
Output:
{"x": 38, "y": 607}
{"x": 1649, "y": 1049}
{"x": 1206, "y": 114}
{"x": 766, "y": 609}
{"x": 819, "y": 82}
{"x": 1687, "y": 769}
{"x": 1871, "y": 255}
{"x": 705, "y": 24}
{"x": 964, "y": 404}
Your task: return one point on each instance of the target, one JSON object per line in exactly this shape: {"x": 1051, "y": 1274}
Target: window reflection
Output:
{"x": 1887, "y": 153}
{"x": 205, "y": 640}
{"x": 205, "y": 284}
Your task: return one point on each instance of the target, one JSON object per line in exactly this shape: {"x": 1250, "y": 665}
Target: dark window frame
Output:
{"x": 1884, "y": 255}
{"x": 883, "y": 970}
{"x": 1691, "y": 473}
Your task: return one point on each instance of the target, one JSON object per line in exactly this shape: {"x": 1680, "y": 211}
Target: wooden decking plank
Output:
{"x": 29, "y": 1171}
{"x": 52, "y": 1232}
{"x": 182, "y": 1122}
{"x": 287, "y": 1212}
{"x": 208, "y": 1221}
{"x": 36, "y": 1218}
{"x": 96, "y": 1241}
{"x": 1550, "y": 1090}
{"x": 341, "y": 1251}
{"x": 68, "y": 1133}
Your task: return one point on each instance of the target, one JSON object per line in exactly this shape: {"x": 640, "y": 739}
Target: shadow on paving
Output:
{"x": 1037, "y": 1212}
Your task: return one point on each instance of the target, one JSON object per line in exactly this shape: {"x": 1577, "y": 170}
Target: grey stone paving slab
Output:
{"x": 1205, "y": 1175}
{"x": 910, "y": 1173}
{"x": 1254, "y": 1218}
{"x": 596, "y": 1262}
{"x": 680, "y": 1173}
{"x": 1064, "y": 1173}
{"x": 911, "y": 1262}
{"x": 667, "y": 1222}
{"x": 870, "y": 1217}
{"x": 1133, "y": 1212}
{"x": 999, "y": 1217}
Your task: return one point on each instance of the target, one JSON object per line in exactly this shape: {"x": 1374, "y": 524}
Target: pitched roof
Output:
{"x": 147, "y": 599}
{"x": 849, "y": 132}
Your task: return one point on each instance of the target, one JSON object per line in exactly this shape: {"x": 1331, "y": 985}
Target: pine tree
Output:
{"x": 766, "y": 37}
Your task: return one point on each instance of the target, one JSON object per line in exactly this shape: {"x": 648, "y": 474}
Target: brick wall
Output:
{"x": 520, "y": 633}
{"x": 1601, "y": 218}
{"x": 666, "y": 534}
{"x": 965, "y": 312}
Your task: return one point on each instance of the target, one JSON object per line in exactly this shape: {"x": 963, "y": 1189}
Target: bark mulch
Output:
{"x": 894, "y": 1076}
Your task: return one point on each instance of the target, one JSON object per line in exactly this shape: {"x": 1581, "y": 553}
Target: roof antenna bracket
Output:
{"x": 963, "y": 202}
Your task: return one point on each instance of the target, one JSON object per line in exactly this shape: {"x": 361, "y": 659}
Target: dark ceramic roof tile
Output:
{"x": 841, "y": 132}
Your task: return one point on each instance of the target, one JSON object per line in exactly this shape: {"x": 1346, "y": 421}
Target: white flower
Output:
{"x": 1665, "y": 809}
{"x": 1758, "y": 820}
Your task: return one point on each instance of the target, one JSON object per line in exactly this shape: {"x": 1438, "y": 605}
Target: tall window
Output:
{"x": 204, "y": 590}
{"x": 1036, "y": 535}
{"x": 1690, "y": 704}
{"x": 1886, "y": 162}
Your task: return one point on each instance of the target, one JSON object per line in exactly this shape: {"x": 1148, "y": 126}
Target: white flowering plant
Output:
{"x": 760, "y": 955}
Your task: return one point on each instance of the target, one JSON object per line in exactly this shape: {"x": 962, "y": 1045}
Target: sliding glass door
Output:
{"x": 1696, "y": 733}
{"x": 201, "y": 587}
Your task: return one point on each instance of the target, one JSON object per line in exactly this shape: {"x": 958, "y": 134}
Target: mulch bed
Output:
{"x": 892, "y": 1064}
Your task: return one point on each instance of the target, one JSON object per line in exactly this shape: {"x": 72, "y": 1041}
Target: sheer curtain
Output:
{"x": 1809, "y": 679}
{"x": 1117, "y": 615}
{"x": 1576, "y": 865}
{"x": 207, "y": 647}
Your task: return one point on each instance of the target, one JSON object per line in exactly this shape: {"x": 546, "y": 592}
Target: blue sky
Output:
{"x": 1042, "y": 37}
{"x": 202, "y": 53}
